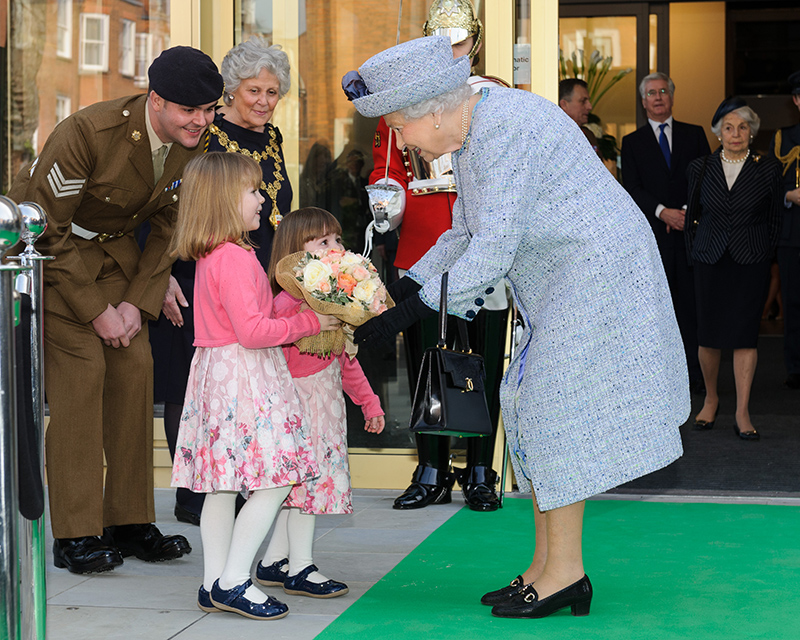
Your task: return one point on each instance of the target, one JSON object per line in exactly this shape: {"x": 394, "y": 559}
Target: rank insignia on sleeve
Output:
{"x": 377, "y": 142}
{"x": 63, "y": 187}
{"x": 33, "y": 168}
{"x": 136, "y": 135}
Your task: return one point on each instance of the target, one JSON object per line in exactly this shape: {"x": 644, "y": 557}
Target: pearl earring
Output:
{"x": 436, "y": 126}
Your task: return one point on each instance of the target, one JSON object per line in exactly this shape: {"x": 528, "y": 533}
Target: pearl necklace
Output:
{"x": 746, "y": 156}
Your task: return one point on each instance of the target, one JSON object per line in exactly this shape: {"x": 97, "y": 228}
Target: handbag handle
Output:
{"x": 463, "y": 335}
{"x": 443, "y": 313}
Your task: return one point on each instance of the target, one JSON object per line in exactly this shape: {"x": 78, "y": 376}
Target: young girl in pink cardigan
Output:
{"x": 242, "y": 427}
{"x": 319, "y": 382}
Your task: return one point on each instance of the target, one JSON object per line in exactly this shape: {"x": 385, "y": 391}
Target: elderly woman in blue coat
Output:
{"x": 598, "y": 387}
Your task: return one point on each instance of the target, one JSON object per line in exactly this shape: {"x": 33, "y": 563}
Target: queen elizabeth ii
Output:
{"x": 598, "y": 387}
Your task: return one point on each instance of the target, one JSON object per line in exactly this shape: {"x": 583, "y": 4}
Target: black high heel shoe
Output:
{"x": 502, "y": 595}
{"x": 527, "y": 604}
{"x": 704, "y": 425}
{"x": 428, "y": 486}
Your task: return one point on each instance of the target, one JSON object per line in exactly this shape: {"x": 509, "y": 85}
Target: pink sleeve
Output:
{"x": 356, "y": 385}
{"x": 247, "y": 299}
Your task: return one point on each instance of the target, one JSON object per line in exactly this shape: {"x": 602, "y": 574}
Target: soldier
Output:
{"x": 786, "y": 148}
{"x": 426, "y": 201}
{"x": 102, "y": 172}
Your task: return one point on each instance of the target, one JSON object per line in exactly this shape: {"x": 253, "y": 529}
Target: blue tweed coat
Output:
{"x": 598, "y": 386}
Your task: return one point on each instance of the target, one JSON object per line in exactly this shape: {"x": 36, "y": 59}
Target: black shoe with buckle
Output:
{"x": 502, "y": 595}
{"x": 146, "y": 542}
{"x": 527, "y": 603}
{"x": 88, "y": 554}
{"x": 478, "y": 486}
{"x": 428, "y": 486}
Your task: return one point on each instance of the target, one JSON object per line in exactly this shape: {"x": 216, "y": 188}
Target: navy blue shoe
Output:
{"x": 235, "y": 601}
{"x": 273, "y": 575}
{"x": 204, "y": 601}
{"x": 299, "y": 585}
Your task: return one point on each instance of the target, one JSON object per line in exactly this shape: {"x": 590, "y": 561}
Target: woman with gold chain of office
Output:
{"x": 256, "y": 77}
{"x": 425, "y": 202}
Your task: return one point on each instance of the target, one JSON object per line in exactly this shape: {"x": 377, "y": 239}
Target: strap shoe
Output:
{"x": 299, "y": 585}
{"x": 273, "y": 575}
{"x": 235, "y": 601}
{"x": 428, "y": 486}
{"x": 478, "y": 486}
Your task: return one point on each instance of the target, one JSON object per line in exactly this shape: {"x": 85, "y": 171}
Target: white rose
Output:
{"x": 314, "y": 273}
{"x": 365, "y": 290}
{"x": 350, "y": 260}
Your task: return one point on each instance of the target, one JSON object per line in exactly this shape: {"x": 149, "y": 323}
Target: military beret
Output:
{"x": 794, "y": 83}
{"x": 726, "y": 106}
{"x": 186, "y": 76}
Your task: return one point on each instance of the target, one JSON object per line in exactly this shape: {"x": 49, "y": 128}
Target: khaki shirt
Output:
{"x": 96, "y": 170}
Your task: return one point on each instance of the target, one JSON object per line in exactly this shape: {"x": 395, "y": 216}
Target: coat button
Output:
{"x": 126, "y": 113}
{"x": 479, "y": 301}
{"x": 174, "y": 197}
{"x": 470, "y": 314}
{"x": 108, "y": 198}
{"x": 489, "y": 291}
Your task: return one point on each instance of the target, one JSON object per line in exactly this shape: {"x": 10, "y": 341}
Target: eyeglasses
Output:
{"x": 654, "y": 92}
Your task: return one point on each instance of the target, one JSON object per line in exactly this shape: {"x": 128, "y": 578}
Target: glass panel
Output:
{"x": 614, "y": 38}
{"x": 335, "y": 154}
{"x": 46, "y": 79}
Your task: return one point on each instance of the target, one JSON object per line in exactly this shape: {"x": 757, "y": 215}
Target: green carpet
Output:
{"x": 659, "y": 570}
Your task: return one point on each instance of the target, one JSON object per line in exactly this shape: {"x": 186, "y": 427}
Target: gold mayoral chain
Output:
{"x": 270, "y": 151}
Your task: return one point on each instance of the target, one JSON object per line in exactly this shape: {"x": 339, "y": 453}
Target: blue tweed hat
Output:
{"x": 405, "y": 75}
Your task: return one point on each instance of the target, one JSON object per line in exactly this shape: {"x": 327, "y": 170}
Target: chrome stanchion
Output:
{"x": 10, "y": 229}
{"x": 33, "y": 563}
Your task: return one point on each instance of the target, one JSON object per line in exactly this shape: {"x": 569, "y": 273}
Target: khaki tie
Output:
{"x": 159, "y": 157}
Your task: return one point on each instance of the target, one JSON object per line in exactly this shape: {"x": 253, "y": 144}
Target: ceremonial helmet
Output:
{"x": 456, "y": 20}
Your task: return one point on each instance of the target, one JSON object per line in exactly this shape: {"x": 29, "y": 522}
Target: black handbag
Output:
{"x": 449, "y": 399}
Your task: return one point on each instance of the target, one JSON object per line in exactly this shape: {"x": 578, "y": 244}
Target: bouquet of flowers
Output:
{"x": 337, "y": 283}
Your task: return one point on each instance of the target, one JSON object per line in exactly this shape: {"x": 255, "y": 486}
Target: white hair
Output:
{"x": 445, "y": 102}
{"x": 746, "y": 114}
{"x": 657, "y": 75}
{"x": 248, "y": 59}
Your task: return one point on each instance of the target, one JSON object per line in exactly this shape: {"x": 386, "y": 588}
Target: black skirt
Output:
{"x": 730, "y": 299}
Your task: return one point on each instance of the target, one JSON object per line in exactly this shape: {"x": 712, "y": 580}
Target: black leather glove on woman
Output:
{"x": 387, "y": 325}
{"x": 403, "y": 288}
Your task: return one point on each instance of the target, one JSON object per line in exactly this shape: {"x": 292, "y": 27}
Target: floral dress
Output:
{"x": 320, "y": 383}
{"x": 241, "y": 427}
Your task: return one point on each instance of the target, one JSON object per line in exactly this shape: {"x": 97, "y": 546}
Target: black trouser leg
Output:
{"x": 189, "y": 500}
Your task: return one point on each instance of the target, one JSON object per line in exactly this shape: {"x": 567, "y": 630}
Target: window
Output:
{"x": 94, "y": 42}
{"x": 63, "y": 107}
{"x": 144, "y": 56}
{"x": 127, "y": 43}
{"x": 64, "y": 29}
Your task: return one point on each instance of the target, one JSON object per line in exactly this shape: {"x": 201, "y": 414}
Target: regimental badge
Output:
{"x": 377, "y": 142}
{"x": 136, "y": 135}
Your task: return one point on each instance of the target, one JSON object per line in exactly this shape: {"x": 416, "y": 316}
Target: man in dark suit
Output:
{"x": 654, "y": 162}
{"x": 786, "y": 147}
{"x": 102, "y": 172}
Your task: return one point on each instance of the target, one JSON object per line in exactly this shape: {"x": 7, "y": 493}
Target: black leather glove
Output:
{"x": 386, "y": 326}
{"x": 403, "y": 288}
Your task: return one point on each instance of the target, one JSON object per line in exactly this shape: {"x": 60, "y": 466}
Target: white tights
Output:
{"x": 293, "y": 538}
{"x": 229, "y": 546}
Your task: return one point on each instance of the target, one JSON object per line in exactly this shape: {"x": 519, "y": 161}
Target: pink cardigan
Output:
{"x": 354, "y": 382}
{"x": 233, "y": 303}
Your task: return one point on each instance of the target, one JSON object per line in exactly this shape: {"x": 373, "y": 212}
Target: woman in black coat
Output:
{"x": 734, "y": 212}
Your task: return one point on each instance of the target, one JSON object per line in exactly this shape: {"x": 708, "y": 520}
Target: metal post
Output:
{"x": 10, "y": 229}
{"x": 33, "y": 562}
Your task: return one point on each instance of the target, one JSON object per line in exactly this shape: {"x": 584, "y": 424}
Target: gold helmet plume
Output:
{"x": 456, "y": 20}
